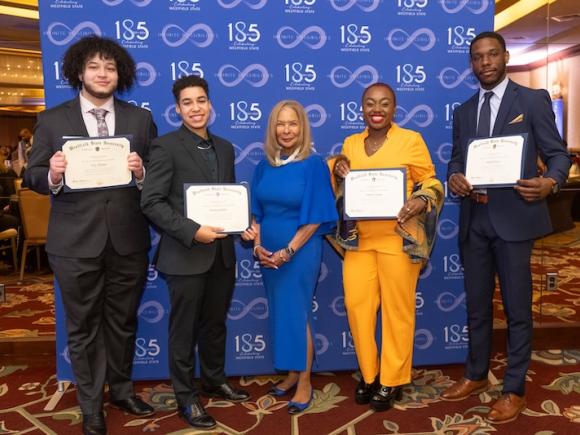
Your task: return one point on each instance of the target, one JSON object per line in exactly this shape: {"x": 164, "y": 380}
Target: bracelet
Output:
{"x": 256, "y": 247}
{"x": 289, "y": 251}
{"x": 285, "y": 260}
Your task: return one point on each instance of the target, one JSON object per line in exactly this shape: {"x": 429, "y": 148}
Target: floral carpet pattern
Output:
{"x": 28, "y": 311}
{"x": 553, "y": 395}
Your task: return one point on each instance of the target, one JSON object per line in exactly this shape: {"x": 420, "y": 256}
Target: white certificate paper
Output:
{"x": 219, "y": 205}
{"x": 495, "y": 161}
{"x": 374, "y": 193}
{"x": 93, "y": 163}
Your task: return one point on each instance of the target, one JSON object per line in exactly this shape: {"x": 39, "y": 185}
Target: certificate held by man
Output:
{"x": 495, "y": 161}
{"x": 219, "y": 205}
{"x": 95, "y": 163}
{"x": 374, "y": 194}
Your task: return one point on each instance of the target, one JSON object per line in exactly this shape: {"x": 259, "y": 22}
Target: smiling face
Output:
{"x": 288, "y": 131}
{"x": 488, "y": 62}
{"x": 99, "y": 78}
{"x": 195, "y": 109}
{"x": 378, "y": 106}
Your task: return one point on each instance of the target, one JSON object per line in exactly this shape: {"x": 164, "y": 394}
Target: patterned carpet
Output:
{"x": 553, "y": 392}
{"x": 29, "y": 308}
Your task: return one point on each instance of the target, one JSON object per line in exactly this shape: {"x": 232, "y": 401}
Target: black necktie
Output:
{"x": 484, "y": 116}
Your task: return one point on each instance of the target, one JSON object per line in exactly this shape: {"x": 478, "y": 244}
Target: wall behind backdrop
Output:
{"x": 322, "y": 53}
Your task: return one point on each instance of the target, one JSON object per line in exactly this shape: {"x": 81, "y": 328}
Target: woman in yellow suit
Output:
{"x": 382, "y": 271}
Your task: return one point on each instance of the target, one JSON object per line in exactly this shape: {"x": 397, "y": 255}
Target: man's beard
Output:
{"x": 97, "y": 94}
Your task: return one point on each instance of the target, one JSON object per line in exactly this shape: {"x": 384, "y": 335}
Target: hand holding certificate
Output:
{"x": 495, "y": 161}
{"x": 94, "y": 163}
{"x": 219, "y": 205}
{"x": 374, "y": 193}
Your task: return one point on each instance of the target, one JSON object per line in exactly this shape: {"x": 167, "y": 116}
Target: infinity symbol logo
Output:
{"x": 252, "y": 4}
{"x": 201, "y": 35}
{"x": 422, "y": 115}
{"x": 337, "y": 306}
{"x": 447, "y": 301}
{"x": 258, "y": 308}
{"x": 151, "y": 311}
{"x": 313, "y": 36}
{"x": 447, "y": 229}
{"x": 423, "y": 38}
{"x": 255, "y": 75}
{"x": 364, "y": 5}
{"x": 146, "y": 73}
{"x": 139, "y": 3}
{"x": 423, "y": 339}
{"x": 249, "y": 153}
{"x": 316, "y": 114}
{"x": 364, "y": 75}
{"x": 457, "y": 78}
{"x": 70, "y": 34}
{"x": 321, "y": 343}
{"x": 447, "y": 6}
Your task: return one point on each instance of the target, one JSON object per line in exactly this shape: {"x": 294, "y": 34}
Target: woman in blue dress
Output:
{"x": 292, "y": 207}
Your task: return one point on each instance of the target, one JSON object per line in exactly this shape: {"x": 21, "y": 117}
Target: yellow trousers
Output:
{"x": 373, "y": 279}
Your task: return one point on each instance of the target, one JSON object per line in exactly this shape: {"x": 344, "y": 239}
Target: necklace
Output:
{"x": 373, "y": 146}
{"x": 281, "y": 162}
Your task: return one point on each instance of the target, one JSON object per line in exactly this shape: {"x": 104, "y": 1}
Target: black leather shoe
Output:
{"x": 227, "y": 392}
{"x": 364, "y": 391}
{"x": 385, "y": 398}
{"x": 94, "y": 424}
{"x": 196, "y": 416}
{"x": 133, "y": 405}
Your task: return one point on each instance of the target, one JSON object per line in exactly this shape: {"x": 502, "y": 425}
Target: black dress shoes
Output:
{"x": 385, "y": 398}
{"x": 94, "y": 424}
{"x": 133, "y": 405}
{"x": 364, "y": 391}
{"x": 196, "y": 416}
{"x": 227, "y": 392}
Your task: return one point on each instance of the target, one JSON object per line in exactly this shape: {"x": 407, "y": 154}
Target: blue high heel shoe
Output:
{"x": 297, "y": 407}
{"x": 279, "y": 392}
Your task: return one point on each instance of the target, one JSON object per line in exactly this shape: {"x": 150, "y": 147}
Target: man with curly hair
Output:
{"x": 97, "y": 239}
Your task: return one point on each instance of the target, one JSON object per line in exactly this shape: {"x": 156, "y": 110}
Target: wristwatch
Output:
{"x": 555, "y": 188}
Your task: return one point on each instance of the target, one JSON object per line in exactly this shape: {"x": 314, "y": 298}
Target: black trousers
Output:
{"x": 199, "y": 306}
{"x": 101, "y": 296}
{"x": 484, "y": 254}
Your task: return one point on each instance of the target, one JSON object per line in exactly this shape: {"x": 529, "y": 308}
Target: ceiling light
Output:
{"x": 518, "y": 10}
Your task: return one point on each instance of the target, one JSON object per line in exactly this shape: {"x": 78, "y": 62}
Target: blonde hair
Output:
{"x": 271, "y": 147}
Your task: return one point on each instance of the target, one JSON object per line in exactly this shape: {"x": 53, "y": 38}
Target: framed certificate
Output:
{"x": 219, "y": 205}
{"x": 374, "y": 193}
{"x": 495, "y": 161}
{"x": 97, "y": 162}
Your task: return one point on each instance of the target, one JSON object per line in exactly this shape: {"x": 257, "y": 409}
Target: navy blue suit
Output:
{"x": 497, "y": 237}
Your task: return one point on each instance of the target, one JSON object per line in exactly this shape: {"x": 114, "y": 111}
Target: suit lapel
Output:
{"x": 75, "y": 118}
{"x": 509, "y": 97}
{"x": 121, "y": 120}
{"x": 187, "y": 144}
{"x": 221, "y": 156}
{"x": 472, "y": 113}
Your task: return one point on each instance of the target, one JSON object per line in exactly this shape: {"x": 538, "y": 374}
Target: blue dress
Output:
{"x": 283, "y": 199}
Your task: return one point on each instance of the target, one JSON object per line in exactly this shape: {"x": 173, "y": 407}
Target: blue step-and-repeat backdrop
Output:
{"x": 322, "y": 53}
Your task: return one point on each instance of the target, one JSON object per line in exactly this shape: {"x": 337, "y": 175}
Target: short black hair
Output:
{"x": 381, "y": 84}
{"x": 488, "y": 34}
{"x": 189, "y": 82}
{"x": 80, "y": 52}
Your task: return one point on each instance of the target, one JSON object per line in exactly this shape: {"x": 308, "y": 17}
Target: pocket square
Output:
{"x": 517, "y": 119}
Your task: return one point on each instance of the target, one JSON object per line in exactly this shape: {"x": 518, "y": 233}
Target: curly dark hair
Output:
{"x": 80, "y": 52}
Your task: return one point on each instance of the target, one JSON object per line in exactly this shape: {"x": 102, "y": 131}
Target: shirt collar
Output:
{"x": 498, "y": 91}
{"x": 197, "y": 139}
{"x": 86, "y": 105}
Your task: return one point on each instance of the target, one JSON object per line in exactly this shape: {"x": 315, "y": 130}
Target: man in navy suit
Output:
{"x": 498, "y": 225}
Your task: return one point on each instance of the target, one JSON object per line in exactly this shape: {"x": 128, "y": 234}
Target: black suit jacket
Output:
{"x": 522, "y": 110}
{"x": 175, "y": 160}
{"x": 81, "y": 222}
